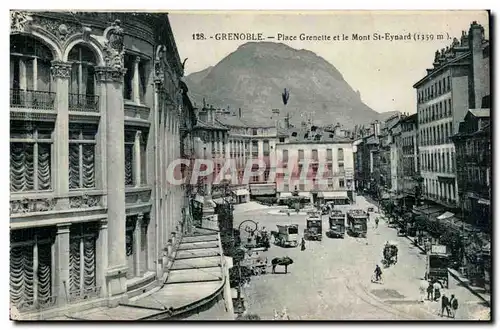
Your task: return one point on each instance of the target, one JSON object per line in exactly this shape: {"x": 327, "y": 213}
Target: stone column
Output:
{"x": 102, "y": 257}
{"x": 221, "y": 142}
{"x": 159, "y": 176}
{"x": 35, "y": 74}
{"x": 61, "y": 72}
{"x": 136, "y": 96}
{"x": 62, "y": 264}
{"x": 137, "y": 159}
{"x": 112, "y": 80}
{"x": 260, "y": 144}
{"x": 137, "y": 245}
{"x": 22, "y": 75}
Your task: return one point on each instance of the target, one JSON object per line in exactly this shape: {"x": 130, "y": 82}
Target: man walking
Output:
{"x": 302, "y": 244}
{"x": 445, "y": 305}
{"x": 430, "y": 290}
{"x": 453, "y": 305}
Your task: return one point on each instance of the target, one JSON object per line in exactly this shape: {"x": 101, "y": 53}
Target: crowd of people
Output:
{"x": 434, "y": 290}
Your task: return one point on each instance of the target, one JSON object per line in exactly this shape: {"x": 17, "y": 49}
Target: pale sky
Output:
{"x": 383, "y": 71}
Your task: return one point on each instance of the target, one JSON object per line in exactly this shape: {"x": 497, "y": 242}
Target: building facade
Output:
{"x": 95, "y": 114}
{"x": 457, "y": 82}
{"x": 323, "y": 153}
{"x": 473, "y": 146}
{"x": 248, "y": 140}
{"x": 408, "y": 178}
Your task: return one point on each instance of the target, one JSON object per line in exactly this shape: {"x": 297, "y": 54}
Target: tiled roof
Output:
{"x": 304, "y": 135}
{"x": 235, "y": 121}
{"x": 480, "y": 112}
{"x": 204, "y": 125}
{"x": 230, "y": 121}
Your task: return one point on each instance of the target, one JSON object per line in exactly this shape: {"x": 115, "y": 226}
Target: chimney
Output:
{"x": 376, "y": 128}
{"x": 480, "y": 75}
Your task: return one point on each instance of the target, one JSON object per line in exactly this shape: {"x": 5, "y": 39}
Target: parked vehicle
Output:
{"x": 314, "y": 227}
{"x": 438, "y": 261}
{"x": 287, "y": 235}
{"x": 336, "y": 222}
{"x": 357, "y": 223}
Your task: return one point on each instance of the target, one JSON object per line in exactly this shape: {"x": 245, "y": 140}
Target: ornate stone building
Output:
{"x": 457, "y": 82}
{"x": 473, "y": 145}
{"x": 95, "y": 104}
{"x": 328, "y": 157}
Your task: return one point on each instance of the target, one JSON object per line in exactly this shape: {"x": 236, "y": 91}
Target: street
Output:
{"x": 331, "y": 279}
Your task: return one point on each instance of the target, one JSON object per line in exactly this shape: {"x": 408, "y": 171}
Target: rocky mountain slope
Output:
{"x": 254, "y": 76}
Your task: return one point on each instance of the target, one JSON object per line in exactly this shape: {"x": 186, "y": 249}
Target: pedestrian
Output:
{"x": 445, "y": 305}
{"x": 376, "y": 222}
{"x": 302, "y": 244}
{"x": 422, "y": 289}
{"x": 437, "y": 290}
{"x": 453, "y": 305}
{"x": 430, "y": 291}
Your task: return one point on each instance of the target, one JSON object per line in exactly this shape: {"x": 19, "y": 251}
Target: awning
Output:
{"x": 210, "y": 203}
{"x": 333, "y": 195}
{"x": 199, "y": 199}
{"x": 483, "y": 201}
{"x": 445, "y": 215}
{"x": 219, "y": 201}
{"x": 241, "y": 192}
{"x": 385, "y": 196}
{"x": 304, "y": 194}
{"x": 285, "y": 195}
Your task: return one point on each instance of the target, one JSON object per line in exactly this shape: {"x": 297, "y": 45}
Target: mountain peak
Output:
{"x": 255, "y": 74}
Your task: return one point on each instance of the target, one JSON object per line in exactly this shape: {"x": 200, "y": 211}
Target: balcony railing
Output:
{"x": 38, "y": 305}
{"x": 38, "y": 100}
{"x": 83, "y": 102}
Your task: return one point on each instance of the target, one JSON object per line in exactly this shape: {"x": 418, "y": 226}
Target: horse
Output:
{"x": 284, "y": 261}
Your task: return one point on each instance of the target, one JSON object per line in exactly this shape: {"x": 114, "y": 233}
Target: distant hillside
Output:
{"x": 253, "y": 77}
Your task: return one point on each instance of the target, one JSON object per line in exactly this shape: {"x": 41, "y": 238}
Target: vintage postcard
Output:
{"x": 250, "y": 165}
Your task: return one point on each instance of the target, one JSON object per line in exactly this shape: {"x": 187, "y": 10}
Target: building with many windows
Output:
{"x": 456, "y": 83}
{"x": 95, "y": 104}
{"x": 473, "y": 146}
{"x": 326, "y": 156}
{"x": 408, "y": 174}
{"x": 248, "y": 140}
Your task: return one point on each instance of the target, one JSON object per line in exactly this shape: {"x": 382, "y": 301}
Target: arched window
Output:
{"x": 30, "y": 79}
{"x": 82, "y": 85}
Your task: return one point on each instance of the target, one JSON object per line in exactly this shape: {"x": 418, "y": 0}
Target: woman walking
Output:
{"x": 302, "y": 244}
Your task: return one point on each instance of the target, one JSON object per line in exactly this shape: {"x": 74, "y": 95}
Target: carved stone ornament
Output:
{"x": 31, "y": 205}
{"x": 109, "y": 74}
{"x": 84, "y": 201}
{"x": 159, "y": 65}
{"x": 19, "y": 21}
{"x": 61, "y": 69}
{"x": 113, "y": 47}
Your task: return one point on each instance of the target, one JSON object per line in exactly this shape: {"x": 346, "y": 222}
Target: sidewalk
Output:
{"x": 477, "y": 291}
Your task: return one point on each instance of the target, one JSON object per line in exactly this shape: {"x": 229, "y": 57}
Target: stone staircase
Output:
{"x": 198, "y": 259}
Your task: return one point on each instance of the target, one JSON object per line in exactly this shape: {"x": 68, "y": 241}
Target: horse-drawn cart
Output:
{"x": 287, "y": 235}
{"x": 255, "y": 262}
{"x": 390, "y": 253}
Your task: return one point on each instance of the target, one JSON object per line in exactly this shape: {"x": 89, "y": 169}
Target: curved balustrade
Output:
{"x": 38, "y": 100}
